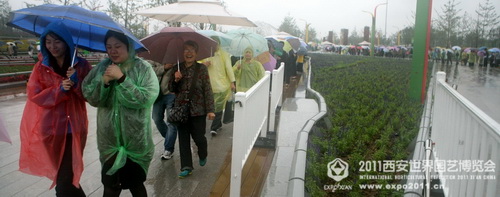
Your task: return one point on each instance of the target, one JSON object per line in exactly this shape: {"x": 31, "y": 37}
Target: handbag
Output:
{"x": 179, "y": 113}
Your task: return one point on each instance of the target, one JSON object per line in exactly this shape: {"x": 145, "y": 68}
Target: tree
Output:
{"x": 123, "y": 12}
{"x": 354, "y": 38}
{"x": 312, "y": 34}
{"x": 448, "y": 21}
{"x": 487, "y": 22}
{"x": 289, "y": 26}
{"x": 4, "y": 12}
{"x": 91, "y": 4}
{"x": 407, "y": 35}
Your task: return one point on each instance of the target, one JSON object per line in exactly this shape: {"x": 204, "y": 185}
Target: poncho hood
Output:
{"x": 60, "y": 29}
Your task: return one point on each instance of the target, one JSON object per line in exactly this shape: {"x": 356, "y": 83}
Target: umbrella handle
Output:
{"x": 76, "y": 46}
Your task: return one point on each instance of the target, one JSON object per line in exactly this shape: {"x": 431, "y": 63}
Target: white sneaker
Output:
{"x": 213, "y": 132}
{"x": 167, "y": 155}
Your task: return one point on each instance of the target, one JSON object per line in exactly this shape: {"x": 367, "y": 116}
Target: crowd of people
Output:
{"x": 128, "y": 92}
{"x": 468, "y": 56}
{"x": 364, "y": 50}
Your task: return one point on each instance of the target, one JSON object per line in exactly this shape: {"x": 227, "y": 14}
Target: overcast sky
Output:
{"x": 331, "y": 15}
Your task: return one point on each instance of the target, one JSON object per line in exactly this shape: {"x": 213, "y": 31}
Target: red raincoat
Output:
{"x": 48, "y": 114}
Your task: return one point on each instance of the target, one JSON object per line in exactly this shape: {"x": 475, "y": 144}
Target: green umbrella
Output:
{"x": 242, "y": 39}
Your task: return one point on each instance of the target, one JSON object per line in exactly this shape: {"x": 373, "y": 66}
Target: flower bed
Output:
{"x": 373, "y": 121}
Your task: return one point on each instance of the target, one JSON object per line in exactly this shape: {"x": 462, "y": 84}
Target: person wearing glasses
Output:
{"x": 201, "y": 106}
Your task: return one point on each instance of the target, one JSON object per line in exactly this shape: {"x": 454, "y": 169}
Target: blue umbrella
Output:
{"x": 482, "y": 48}
{"x": 87, "y": 27}
{"x": 494, "y": 50}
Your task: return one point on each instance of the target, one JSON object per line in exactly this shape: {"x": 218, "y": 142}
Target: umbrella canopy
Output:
{"x": 326, "y": 43}
{"x": 456, "y": 48}
{"x": 224, "y": 39}
{"x": 467, "y": 50}
{"x": 494, "y": 50}
{"x": 242, "y": 39}
{"x": 87, "y": 27}
{"x": 483, "y": 48}
{"x": 302, "y": 50}
{"x": 167, "y": 45}
{"x": 294, "y": 42}
{"x": 208, "y": 11}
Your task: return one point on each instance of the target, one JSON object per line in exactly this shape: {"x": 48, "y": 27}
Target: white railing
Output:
{"x": 250, "y": 117}
{"x": 276, "y": 96}
{"x": 463, "y": 133}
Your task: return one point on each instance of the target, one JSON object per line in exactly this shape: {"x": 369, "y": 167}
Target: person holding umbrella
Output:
{"x": 123, "y": 87}
{"x": 222, "y": 81}
{"x": 247, "y": 71}
{"x": 200, "y": 99}
{"x": 54, "y": 125}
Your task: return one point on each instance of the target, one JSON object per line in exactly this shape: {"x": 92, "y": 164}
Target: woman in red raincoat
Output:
{"x": 54, "y": 124}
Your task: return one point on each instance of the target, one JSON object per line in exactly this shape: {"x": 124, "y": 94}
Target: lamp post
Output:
{"x": 372, "y": 36}
{"x": 398, "y": 38}
{"x": 306, "y": 37}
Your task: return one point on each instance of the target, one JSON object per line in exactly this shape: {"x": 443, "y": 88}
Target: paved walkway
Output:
{"x": 480, "y": 85}
{"x": 295, "y": 113}
{"x": 161, "y": 180}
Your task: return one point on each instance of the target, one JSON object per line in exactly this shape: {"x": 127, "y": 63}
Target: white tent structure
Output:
{"x": 196, "y": 11}
{"x": 364, "y": 43}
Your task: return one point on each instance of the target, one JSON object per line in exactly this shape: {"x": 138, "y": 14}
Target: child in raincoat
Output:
{"x": 54, "y": 125}
{"x": 222, "y": 81}
{"x": 123, "y": 87}
{"x": 247, "y": 71}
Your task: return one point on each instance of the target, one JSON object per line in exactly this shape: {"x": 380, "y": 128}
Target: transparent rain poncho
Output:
{"x": 51, "y": 113}
{"x": 124, "y": 111}
{"x": 246, "y": 73}
{"x": 221, "y": 76}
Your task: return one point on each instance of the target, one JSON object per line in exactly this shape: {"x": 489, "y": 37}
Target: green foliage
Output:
{"x": 17, "y": 68}
{"x": 372, "y": 115}
{"x": 289, "y": 26}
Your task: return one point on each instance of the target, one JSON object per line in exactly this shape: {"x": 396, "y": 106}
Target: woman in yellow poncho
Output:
{"x": 123, "y": 88}
{"x": 222, "y": 81}
{"x": 247, "y": 71}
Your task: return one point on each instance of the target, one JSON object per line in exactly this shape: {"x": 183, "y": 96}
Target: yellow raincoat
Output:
{"x": 247, "y": 74}
{"x": 124, "y": 111}
{"x": 221, "y": 76}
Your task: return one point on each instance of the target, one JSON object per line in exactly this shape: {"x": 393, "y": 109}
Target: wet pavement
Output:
{"x": 161, "y": 180}
{"x": 479, "y": 84}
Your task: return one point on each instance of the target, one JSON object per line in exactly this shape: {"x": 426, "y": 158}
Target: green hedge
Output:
{"x": 372, "y": 115}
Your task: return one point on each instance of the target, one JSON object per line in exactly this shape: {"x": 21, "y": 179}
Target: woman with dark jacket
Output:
{"x": 201, "y": 104}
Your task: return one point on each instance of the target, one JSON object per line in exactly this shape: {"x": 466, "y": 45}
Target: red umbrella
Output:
{"x": 167, "y": 45}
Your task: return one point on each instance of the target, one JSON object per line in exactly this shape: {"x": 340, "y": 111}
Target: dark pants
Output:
{"x": 194, "y": 128}
{"x": 131, "y": 176}
{"x": 64, "y": 181}
{"x": 217, "y": 122}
